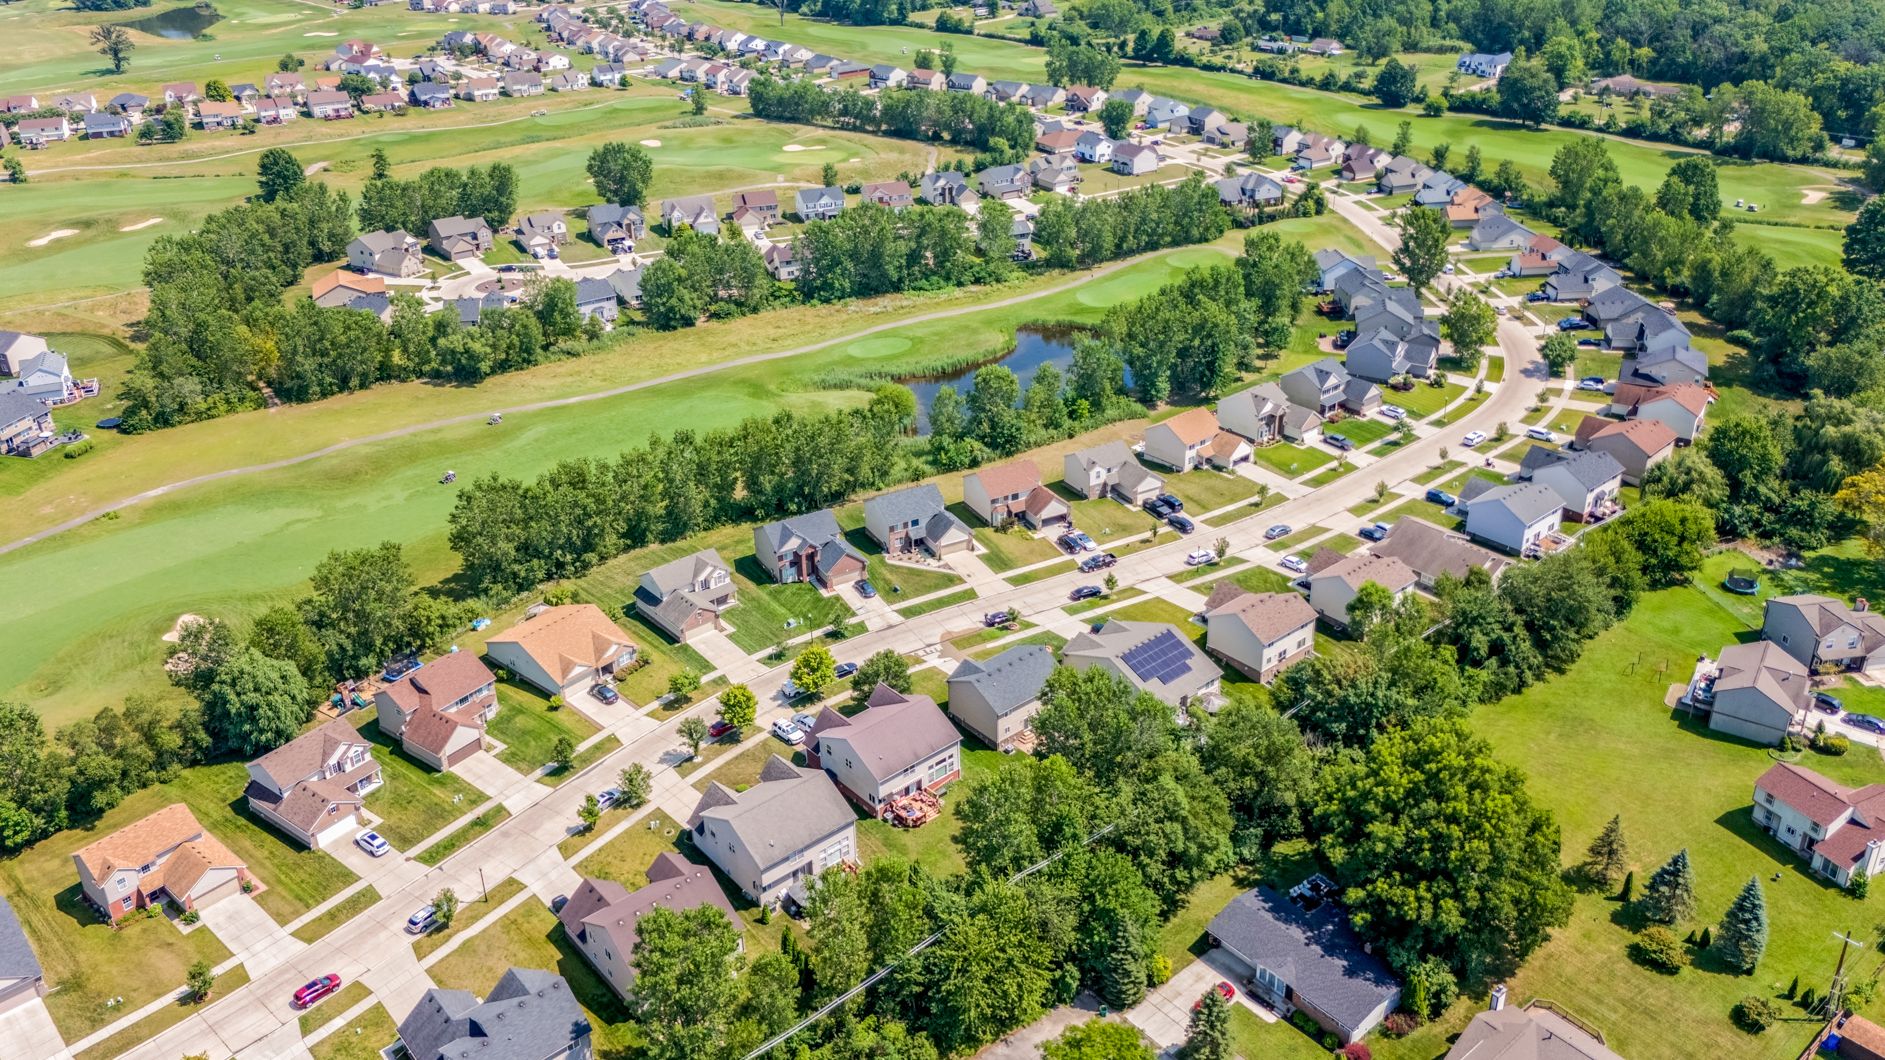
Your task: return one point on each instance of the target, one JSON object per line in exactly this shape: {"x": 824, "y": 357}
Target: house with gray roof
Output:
{"x": 900, "y": 744}
{"x": 1333, "y": 588}
{"x": 1132, "y": 160}
{"x": 1250, "y": 191}
{"x": 1577, "y": 276}
{"x": 808, "y": 548}
{"x": 1265, "y": 414}
{"x": 791, "y": 825}
{"x": 686, "y": 595}
{"x": 1431, "y": 552}
{"x": 21, "y": 978}
{"x": 1162, "y": 112}
{"x": 528, "y": 1015}
{"x": 596, "y": 298}
{"x": 627, "y": 284}
{"x": 1004, "y": 182}
{"x": 971, "y": 83}
{"x": 1092, "y": 146}
{"x": 616, "y": 228}
{"x": 1498, "y": 231}
{"x": 1043, "y": 95}
{"x": 906, "y": 520}
{"x": 1378, "y": 356}
{"x": 432, "y": 95}
{"x": 26, "y": 427}
{"x": 1438, "y": 189}
{"x": 1401, "y": 175}
{"x": 1333, "y": 264}
{"x": 997, "y": 698}
{"x": 1484, "y": 64}
{"x": 471, "y": 310}
{"x": 1760, "y": 692}
{"x": 1821, "y": 631}
{"x": 457, "y": 238}
{"x": 103, "y": 125}
{"x": 1588, "y": 481}
{"x": 1325, "y": 386}
{"x": 1006, "y": 91}
{"x": 1303, "y": 955}
{"x": 394, "y": 253}
{"x": 1152, "y": 657}
{"x": 818, "y": 204}
{"x": 1514, "y": 517}
{"x": 1110, "y": 468}
{"x": 603, "y": 918}
{"x": 945, "y": 187}
{"x": 696, "y": 211}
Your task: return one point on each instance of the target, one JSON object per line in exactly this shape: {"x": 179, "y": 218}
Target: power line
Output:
{"x": 877, "y": 976}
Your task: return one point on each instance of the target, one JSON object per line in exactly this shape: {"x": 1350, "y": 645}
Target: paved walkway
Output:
{"x": 484, "y": 772}
{"x": 28, "y": 1031}
{"x": 718, "y": 649}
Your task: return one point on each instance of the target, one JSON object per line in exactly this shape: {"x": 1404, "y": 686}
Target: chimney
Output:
{"x": 1859, "y": 604}
{"x": 1498, "y": 997}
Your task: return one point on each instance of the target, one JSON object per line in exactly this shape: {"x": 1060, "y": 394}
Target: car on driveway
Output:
{"x": 1274, "y": 532}
{"x": 1198, "y": 557}
{"x": 1076, "y": 541}
{"x": 1158, "y": 507}
{"x": 1295, "y": 563}
{"x": 1180, "y": 523}
{"x": 865, "y": 589}
{"x": 1438, "y": 496}
{"x": 1540, "y": 434}
{"x": 844, "y": 670}
{"x": 1827, "y": 702}
{"x": 1376, "y": 532}
{"x": 1099, "y": 562}
{"x": 1591, "y": 384}
{"x": 1339, "y": 441}
{"x": 1865, "y": 721}
{"x": 1172, "y": 502}
{"x": 315, "y": 991}
{"x": 804, "y": 721}
{"x": 1393, "y": 412}
{"x": 373, "y": 843}
{"x": 1535, "y": 296}
{"x": 1573, "y": 324}
{"x": 1473, "y": 438}
{"x": 788, "y": 732}
{"x": 605, "y": 694}
{"x": 1086, "y": 592}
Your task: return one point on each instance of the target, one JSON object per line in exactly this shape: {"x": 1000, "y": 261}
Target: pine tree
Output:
{"x": 1669, "y": 897}
{"x": 1793, "y": 989}
{"x": 1122, "y": 981}
{"x": 1208, "y": 1037}
{"x": 1609, "y": 855}
{"x": 1629, "y": 887}
{"x": 1708, "y": 938}
{"x": 1744, "y": 928}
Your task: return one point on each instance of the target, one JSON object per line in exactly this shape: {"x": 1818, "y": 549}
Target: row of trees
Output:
{"x": 1001, "y": 132}
{"x": 872, "y": 250}
{"x": 1069, "y": 234}
{"x": 995, "y": 418}
{"x": 489, "y": 192}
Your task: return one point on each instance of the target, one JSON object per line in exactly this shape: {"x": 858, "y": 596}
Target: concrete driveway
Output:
{"x": 1165, "y": 1013}
{"x": 27, "y": 1030}
{"x": 484, "y": 772}
{"x": 250, "y": 933}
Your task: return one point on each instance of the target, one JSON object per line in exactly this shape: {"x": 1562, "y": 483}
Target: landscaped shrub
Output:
{"x": 1356, "y": 1051}
{"x": 1833, "y": 744}
{"x": 1659, "y": 950}
{"x": 1431, "y": 988}
{"x": 1400, "y": 1024}
{"x": 1755, "y": 1014}
{"x": 1158, "y": 969}
{"x": 1303, "y": 1023}
{"x": 78, "y": 449}
{"x": 190, "y": 916}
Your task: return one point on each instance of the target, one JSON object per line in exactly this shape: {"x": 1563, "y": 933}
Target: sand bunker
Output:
{"x": 176, "y": 631}
{"x": 321, "y": 33}
{"x": 802, "y": 147}
{"x": 1809, "y": 196}
{"x": 141, "y": 225}
{"x": 50, "y": 236}
{"x": 651, "y": 143}
{"x": 312, "y": 168}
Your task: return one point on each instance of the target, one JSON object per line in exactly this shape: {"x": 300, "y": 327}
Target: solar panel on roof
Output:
{"x": 1164, "y": 658}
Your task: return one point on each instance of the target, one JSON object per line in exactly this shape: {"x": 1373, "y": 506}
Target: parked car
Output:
{"x": 1539, "y": 434}
{"x": 1086, "y": 592}
{"x": 788, "y": 732}
{"x": 557, "y": 903}
{"x": 1473, "y": 438}
{"x": 1393, "y": 412}
{"x": 1099, "y": 562}
{"x": 1082, "y": 543}
{"x": 719, "y": 730}
{"x": 373, "y": 843}
{"x": 790, "y": 691}
{"x": 1274, "y": 532}
{"x": 1376, "y": 532}
{"x": 1827, "y": 702}
{"x": 421, "y": 922}
{"x": 1866, "y": 722}
{"x": 315, "y": 991}
{"x": 1535, "y": 296}
{"x": 865, "y": 589}
{"x": 1591, "y": 384}
{"x": 609, "y": 796}
{"x": 1224, "y": 990}
{"x": 1499, "y": 310}
{"x": 995, "y": 618}
{"x": 1295, "y": 563}
{"x": 1593, "y": 342}
{"x": 804, "y": 721}
{"x": 1438, "y": 496}
{"x": 1172, "y": 502}
{"x": 1180, "y": 523}
{"x": 1573, "y": 324}
{"x": 1198, "y": 557}
{"x": 1339, "y": 441}
{"x": 844, "y": 670}
{"x": 1158, "y": 507}
{"x": 605, "y": 694}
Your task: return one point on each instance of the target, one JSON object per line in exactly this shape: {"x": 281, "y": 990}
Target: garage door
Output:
{"x": 231, "y": 886}
{"x": 464, "y": 752}
{"x": 338, "y": 832}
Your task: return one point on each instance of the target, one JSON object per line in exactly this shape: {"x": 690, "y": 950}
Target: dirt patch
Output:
{"x": 141, "y": 225}
{"x": 802, "y": 147}
{"x": 651, "y": 143}
{"x": 321, "y": 33}
{"x": 60, "y": 233}
{"x": 176, "y": 629}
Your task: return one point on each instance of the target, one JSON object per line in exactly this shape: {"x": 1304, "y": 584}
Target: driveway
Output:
{"x": 250, "y": 933}
{"x": 27, "y": 1030}
{"x": 717, "y": 648}
{"x": 1165, "y": 1014}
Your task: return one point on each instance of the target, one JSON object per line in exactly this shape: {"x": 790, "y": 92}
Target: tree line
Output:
{"x": 489, "y": 192}
{"x": 1001, "y": 133}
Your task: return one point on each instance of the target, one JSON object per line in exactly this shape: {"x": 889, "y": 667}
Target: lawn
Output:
{"x": 1420, "y": 509}
{"x": 157, "y": 1022}
{"x": 933, "y": 845}
{"x": 1038, "y": 573}
{"x": 529, "y": 936}
{"x": 529, "y": 729}
{"x": 1255, "y": 579}
{"x": 342, "y": 911}
{"x": 471, "y": 909}
{"x": 768, "y": 612}
{"x": 1359, "y": 429}
{"x": 1440, "y": 471}
{"x": 332, "y": 1006}
{"x": 937, "y": 603}
{"x": 625, "y": 858}
{"x": 1081, "y": 608}
{"x": 1210, "y": 570}
{"x": 1158, "y": 610}
{"x": 416, "y": 800}
{"x": 1006, "y": 550}
{"x": 1292, "y": 461}
{"x": 360, "y": 1040}
{"x": 1424, "y": 401}
{"x": 896, "y": 582}
{"x": 1329, "y": 474}
{"x": 1045, "y": 638}
{"x": 471, "y": 830}
{"x": 1205, "y": 490}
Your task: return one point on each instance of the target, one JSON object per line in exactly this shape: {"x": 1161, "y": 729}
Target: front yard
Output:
{"x": 416, "y": 800}
{"x": 1290, "y": 460}
{"x": 768, "y": 613}
{"x": 1205, "y": 490}
{"x": 529, "y": 729}
{"x": 1424, "y": 400}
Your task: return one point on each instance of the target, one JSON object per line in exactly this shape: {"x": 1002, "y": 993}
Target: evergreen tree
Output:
{"x": 1609, "y": 855}
{"x": 1669, "y": 897}
{"x": 1629, "y": 887}
{"x": 1122, "y": 981}
{"x": 1744, "y": 928}
{"x": 1208, "y": 1037}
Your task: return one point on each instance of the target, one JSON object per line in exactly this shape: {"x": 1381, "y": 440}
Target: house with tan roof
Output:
{"x": 1681, "y": 407}
{"x": 1637, "y": 445}
{"x": 1759, "y": 692}
{"x": 563, "y": 650}
{"x": 438, "y": 712}
{"x": 1013, "y": 492}
{"x": 900, "y": 744}
{"x": 166, "y": 857}
{"x": 341, "y": 287}
{"x": 1837, "y": 829}
{"x": 1538, "y": 1031}
{"x": 603, "y": 918}
{"x": 685, "y": 596}
{"x": 1258, "y": 634}
{"x": 1193, "y": 439}
{"x": 777, "y": 834}
{"x": 314, "y": 787}
{"x": 1824, "y": 633}
{"x": 1334, "y": 588}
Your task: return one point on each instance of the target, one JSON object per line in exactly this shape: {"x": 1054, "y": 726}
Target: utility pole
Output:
{"x": 482, "y": 886}
{"x": 1836, "y": 993}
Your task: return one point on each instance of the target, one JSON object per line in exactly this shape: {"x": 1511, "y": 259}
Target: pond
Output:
{"x": 1033, "y": 346}
{"x": 178, "y": 23}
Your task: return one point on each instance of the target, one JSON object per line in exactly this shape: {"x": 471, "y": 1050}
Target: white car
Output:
{"x": 1295, "y": 563}
{"x": 1198, "y": 557}
{"x": 804, "y": 721}
{"x": 1393, "y": 412}
{"x": 1473, "y": 438}
{"x": 1539, "y": 434}
{"x": 372, "y": 843}
{"x": 1499, "y": 309}
{"x": 788, "y": 732}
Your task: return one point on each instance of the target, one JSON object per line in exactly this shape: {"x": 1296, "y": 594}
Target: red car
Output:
{"x": 315, "y": 991}
{"x": 719, "y": 729}
{"x": 1224, "y": 988}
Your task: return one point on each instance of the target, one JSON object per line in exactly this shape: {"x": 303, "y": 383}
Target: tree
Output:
{"x": 1115, "y": 117}
{"x": 1403, "y": 138}
{"x": 1470, "y": 325}
{"x": 217, "y": 90}
{"x": 255, "y": 704}
{"x": 1578, "y": 169}
{"x": 1609, "y": 855}
{"x": 813, "y": 670}
{"x": 16, "y": 170}
{"x": 1386, "y": 822}
{"x": 289, "y": 63}
{"x": 563, "y": 752}
{"x": 1669, "y": 537}
{"x": 988, "y": 972}
{"x": 687, "y": 993}
{"x": 682, "y": 685}
{"x": 621, "y": 172}
{"x": 1560, "y": 352}
{"x": 1208, "y": 1036}
{"x": 278, "y": 173}
{"x": 382, "y": 165}
{"x": 1669, "y": 896}
{"x": 1098, "y": 1039}
{"x": 1742, "y": 934}
{"x": 1865, "y": 241}
{"x": 694, "y": 731}
{"x": 1122, "y": 969}
{"x": 738, "y": 708}
{"x": 1688, "y": 475}
{"x": 1422, "y": 250}
{"x": 828, "y": 174}
{"x": 1863, "y": 497}
{"x": 1394, "y": 84}
{"x": 200, "y": 980}
{"x": 1257, "y": 757}
{"x": 115, "y": 44}
{"x": 886, "y": 667}
{"x": 697, "y": 101}
{"x": 636, "y": 784}
{"x": 1528, "y": 94}
{"x": 444, "y": 908}
{"x": 589, "y": 813}
{"x": 1690, "y": 189}
{"x": 1371, "y": 603}
{"x": 363, "y": 610}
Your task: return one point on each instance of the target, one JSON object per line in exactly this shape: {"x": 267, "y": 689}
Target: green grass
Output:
{"x": 1209, "y": 570}
{"x": 1157, "y": 610}
{"x": 1437, "y": 472}
{"x": 1420, "y": 509}
{"x": 360, "y": 1040}
{"x": 1360, "y": 430}
{"x": 332, "y": 1006}
{"x": 933, "y": 845}
{"x": 416, "y": 800}
{"x": 472, "y": 908}
{"x": 1038, "y": 573}
{"x": 1004, "y": 551}
{"x": 760, "y": 618}
{"x": 987, "y": 634}
{"x": 1257, "y": 580}
{"x": 346, "y": 909}
{"x": 1296, "y": 539}
{"x": 163, "y": 1019}
{"x": 529, "y": 729}
{"x": 902, "y": 581}
{"x": 1081, "y": 608}
{"x": 625, "y": 858}
{"x": 529, "y": 936}
{"x": 1292, "y": 461}
{"x": 1329, "y": 474}
{"x": 1424, "y": 401}
{"x": 962, "y": 596}
{"x": 1205, "y": 490}
{"x": 1045, "y": 638}
{"x": 469, "y": 831}
{"x": 595, "y": 752}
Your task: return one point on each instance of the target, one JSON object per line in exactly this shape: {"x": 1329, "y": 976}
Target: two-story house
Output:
{"x": 1759, "y": 692}
{"x": 1514, "y": 517}
{"x": 915, "y": 518}
{"x": 1258, "y": 634}
{"x": 1824, "y": 633}
{"x": 314, "y": 786}
{"x": 438, "y": 712}
{"x": 1588, "y": 482}
{"x": 539, "y": 234}
{"x": 1110, "y": 468}
{"x": 898, "y": 745}
{"x": 603, "y": 918}
{"x": 166, "y": 857}
{"x": 1193, "y": 439}
{"x": 455, "y": 238}
{"x": 26, "y": 427}
{"x": 788, "y": 827}
{"x": 1325, "y": 386}
{"x": 1013, "y": 492}
{"x": 388, "y": 253}
{"x": 616, "y": 228}
{"x": 1152, "y": 657}
{"x": 563, "y": 650}
{"x": 1837, "y": 829}
{"x": 1265, "y": 414}
{"x": 687, "y": 595}
{"x": 528, "y": 1015}
{"x": 808, "y": 548}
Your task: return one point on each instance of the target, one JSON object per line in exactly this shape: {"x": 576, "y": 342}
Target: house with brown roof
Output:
{"x": 1638, "y": 445}
{"x": 1681, "y": 407}
{"x": 1013, "y": 492}
{"x": 1333, "y": 589}
{"x": 563, "y": 650}
{"x": 213, "y": 115}
{"x": 762, "y": 201}
{"x": 438, "y": 712}
{"x": 900, "y": 744}
{"x": 894, "y": 194}
{"x": 603, "y": 918}
{"x": 166, "y": 857}
{"x": 1536, "y": 1032}
{"x": 341, "y": 287}
{"x": 1838, "y": 830}
{"x": 314, "y": 786}
{"x": 687, "y": 595}
{"x": 1258, "y": 634}
{"x": 1193, "y": 439}
{"x": 1858, "y": 1038}
{"x": 1759, "y": 692}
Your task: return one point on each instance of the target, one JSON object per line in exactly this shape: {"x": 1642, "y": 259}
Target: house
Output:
{"x": 1161, "y": 112}
{"x": 1432, "y": 553}
{"x": 1439, "y": 190}
{"x": 763, "y": 201}
{"x": 166, "y": 857}
{"x": 1138, "y": 99}
{"x": 1186, "y": 441}
{"x": 181, "y": 93}
{"x": 282, "y": 84}
{"x": 102, "y": 126}
{"x": 1265, "y": 414}
{"x": 1013, "y": 492}
{"x": 564, "y": 649}
{"x": 1673, "y": 365}
{"x": 479, "y": 89}
{"x": 1037, "y": 9}
{"x": 596, "y": 298}
{"x": 1588, "y": 482}
{"x": 1092, "y": 146}
{"x": 997, "y": 698}
{"x": 1055, "y": 173}
{"x": 915, "y": 518}
{"x": 898, "y": 745}
{"x": 1825, "y": 634}
{"x": 569, "y": 81}
{"x": 1005, "y": 182}
{"x": 330, "y": 105}
{"x": 847, "y": 70}
{"x": 1317, "y": 151}
{"x": 539, "y": 234}
{"x": 213, "y": 115}
{"x": 522, "y": 83}
{"x": 1107, "y": 468}
{"x": 970, "y": 83}
{"x": 782, "y": 261}
{"x": 17, "y": 348}
{"x": 1325, "y": 46}
{"x": 1378, "y": 356}
{"x": 1400, "y": 176}
{"x": 1498, "y": 231}
{"x": 528, "y": 1015}
{"x": 26, "y": 427}
{"x": 1250, "y": 191}
{"x": 338, "y": 288}
{"x": 945, "y": 187}
{"x": 277, "y": 110}
{"x": 1229, "y": 134}
{"x": 1083, "y": 99}
{"x": 1332, "y": 589}
{"x": 818, "y": 204}
{"x": 1006, "y": 91}
{"x": 1362, "y": 162}
{"x": 808, "y": 548}
{"x": 627, "y": 285}
{"x": 1333, "y": 264}
{"x": 393, "y": 253}
{"x": 884, "y": 75}
{"x": 38, "y": 132}
{"x": 439, "y": 711}
{"x": 602, "y": 917}
{"x": 1258, "y": 634}
{"x": 383, "y": 102}
{"x": 1132, "y": 160}
{"x": 1577, "y": 277}
{"x": 45, "y": 377}
{"x": 456, "y": 238}
{"x": 1638, "y": 445}
{"x": 1481, "y": 64}
{"x": 1539, "y": 1031}
{"x": 695, "y": 211}
{"x": 616, "y": 228}
{"x": 1056, "y": 139}
{"x": 1629, "y": 87}
{"x": 1324, "y": 386}
{"x": 894, "y": 194}
{"x": 1152, "y": 657}
{"x": 1304, "y": 956}
{"x": 686, "y": 595}
{"x": 1681, "y": 408}
{"x": 607, "y": 75}
{"x": 1514, "y": 517}
{"x": 432, "y": 95}
{"x": 791, "y": 825}
{"x": 1830, "y": 825}
{"x": 21, "y": 978}
{"x": 1043, "y": 96}
{"x": 1760, "y": 692}
{"x": 314, "y": 786}
{"x": 928, "y": 80}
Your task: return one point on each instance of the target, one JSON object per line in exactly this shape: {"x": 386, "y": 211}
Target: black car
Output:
{"x": 1180, "y": 523}
{"x": 1158, "y": 507}
{"x": 1086, "y": 592}
{"x": 1376, "y": 532}
{"x": 995, "y": 618}
{"x": 1172, "y": 502}
{"x": 605, "y": 693}
{"x": 1866, "y": 722}
{"x": 1828, "y": 702}
{"x": 844, "y": 670}
{"x": 1099, "y": 562}
{"x": 1441, "y": 497}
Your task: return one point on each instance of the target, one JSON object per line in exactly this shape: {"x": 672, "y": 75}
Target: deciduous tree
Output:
{"x": 255, "y": 704}
{"x": 1470, "y": 325}
{"x": 813, "y": 670}
{"x": 738, "y": 707}
{"x": 686, "y": 991}
{"x": 1422, "y": 250}
{"x": 115, "y": 44}
{"x": 277, "y": 173}
{"x": 1098, "y": 1039}
{"x": 621, "y": 172}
